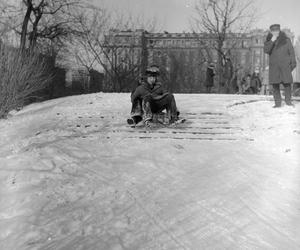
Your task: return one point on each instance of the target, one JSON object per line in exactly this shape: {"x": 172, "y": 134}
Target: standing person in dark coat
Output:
{"x": 282, "y": 63}
{"x": 255, "y": 82}
{"x": 210, "y": 73}
{"x": 150, "y": 97}
{"x": 247, "y": 90}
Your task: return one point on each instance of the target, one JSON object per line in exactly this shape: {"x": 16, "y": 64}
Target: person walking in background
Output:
{"x": 228, "y": 74}
{"x": 210, "y": 73}
{"x": 239, "y": 79}
{"x": 282, "y": 62}
{"x": 255, "y": 84}
{"x": 247, "y": 85}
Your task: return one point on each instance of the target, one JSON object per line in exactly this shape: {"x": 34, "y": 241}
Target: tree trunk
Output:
{"x": 33, "y": 36}
{"x": 220, "y": 67}
{"x": 25, "y": 26}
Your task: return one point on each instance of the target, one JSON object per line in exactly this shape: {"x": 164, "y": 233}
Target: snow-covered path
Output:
{"x": 73, "y": 176}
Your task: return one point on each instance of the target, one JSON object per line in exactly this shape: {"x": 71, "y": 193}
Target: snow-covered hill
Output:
{"x": 74, "y": 176}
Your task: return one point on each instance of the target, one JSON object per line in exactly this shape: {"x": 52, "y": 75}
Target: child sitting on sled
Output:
{"x": 150, "y": 98}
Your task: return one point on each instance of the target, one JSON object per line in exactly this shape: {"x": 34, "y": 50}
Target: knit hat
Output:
{"x": 211, "y": 66}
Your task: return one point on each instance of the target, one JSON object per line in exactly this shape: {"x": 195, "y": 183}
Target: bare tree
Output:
{"x": 43, "y": 27}
{"x": 97, "y": 47}
{"x": 224, "y": 21}
{"x": 41, "y": 21}
{"x": 6, "y": 15}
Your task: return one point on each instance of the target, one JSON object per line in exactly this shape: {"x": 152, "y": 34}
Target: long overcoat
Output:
{"x": 282, "y": 59}
{"x": 210, "y": 77}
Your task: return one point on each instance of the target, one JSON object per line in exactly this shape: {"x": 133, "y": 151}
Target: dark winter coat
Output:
{"x": 210, "y": 77}
{"x": 282, "y": 59}
{"x": 255, "y": 81}
{"x": 145, "y": 90}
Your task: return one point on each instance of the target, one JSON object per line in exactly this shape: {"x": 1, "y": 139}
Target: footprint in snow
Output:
{"x": 180, "y": 147}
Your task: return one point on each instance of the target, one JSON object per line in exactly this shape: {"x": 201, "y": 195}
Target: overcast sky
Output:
{"x": 174, "y": 15}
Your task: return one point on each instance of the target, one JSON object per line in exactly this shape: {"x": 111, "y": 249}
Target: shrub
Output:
{"x": 22, "y": 75}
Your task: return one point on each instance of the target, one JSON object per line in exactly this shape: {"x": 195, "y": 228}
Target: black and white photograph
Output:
{"x": 149, "y": 124}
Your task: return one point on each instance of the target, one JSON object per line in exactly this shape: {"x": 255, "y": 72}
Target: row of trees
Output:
{"x": 73, "y": 31}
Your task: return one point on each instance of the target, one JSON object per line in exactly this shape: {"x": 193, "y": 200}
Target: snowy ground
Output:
{"x": 73, "y": 176}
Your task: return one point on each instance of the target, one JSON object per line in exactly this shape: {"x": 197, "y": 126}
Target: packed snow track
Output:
{"x": 75, "y": 176}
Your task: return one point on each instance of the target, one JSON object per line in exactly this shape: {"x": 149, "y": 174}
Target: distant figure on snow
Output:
{"x": 255, "y": 82}
{"x": 240, "y": 79}
{"x": 282, "y": 63}
{"x": 210, "y": 73}
{"x": 247, "y": 85}
{"x": 150, "y": 97}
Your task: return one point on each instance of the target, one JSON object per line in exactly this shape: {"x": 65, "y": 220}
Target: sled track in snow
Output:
{"x": 205, "y": 126}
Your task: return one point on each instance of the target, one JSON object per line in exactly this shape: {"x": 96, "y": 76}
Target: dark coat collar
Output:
{"x": 155, "y": 85}
{"x": 282, "y": 39}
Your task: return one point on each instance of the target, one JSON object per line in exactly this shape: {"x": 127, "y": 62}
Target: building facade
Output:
{"x": 182, "y": 57}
